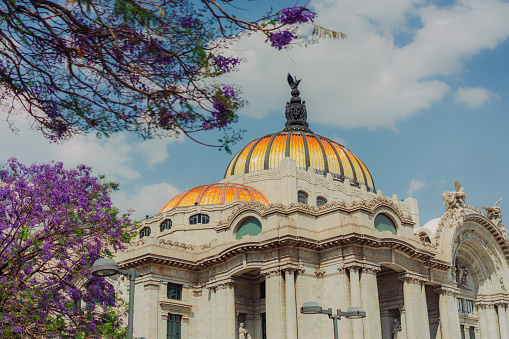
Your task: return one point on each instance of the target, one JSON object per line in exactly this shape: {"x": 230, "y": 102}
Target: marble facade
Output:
{"x": 432, "y": 281}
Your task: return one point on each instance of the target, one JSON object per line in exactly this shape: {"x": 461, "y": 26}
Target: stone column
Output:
{"x": 344, "y": 302}
{"x": 483, "y": 325}
{"x": 410, "y": 305}
{"x": 230, "y": 312}
{"x": 423, "y": 325}
{"x": 355, "y": 301}
{"x": 449, "y": 317}
{"x": 150, "y": 309}
{"x": 492, "y": 320}
{"x": 386, "y": 324}
{"x": 370, "y": 302}
{"x": 275, "y": 312}
{"x": 502, "y": 321}
{"x": 291, "y": 307}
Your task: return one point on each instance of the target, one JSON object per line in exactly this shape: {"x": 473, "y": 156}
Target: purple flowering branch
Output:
{"x": 54, "y": 223}
{"x": 127, "y": 65}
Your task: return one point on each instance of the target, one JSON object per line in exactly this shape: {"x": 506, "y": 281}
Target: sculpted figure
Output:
{"x": 454, "y": 199}
{"x": 494, "y": 213}
{"x": 461, "y": 274}
{"x": 396, "y": 329}
{"x": 243, "y": 333}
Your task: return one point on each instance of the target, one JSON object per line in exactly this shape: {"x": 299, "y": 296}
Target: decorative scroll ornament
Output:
{"x": 494, "y": 213}
{"x": 296, "y": 114}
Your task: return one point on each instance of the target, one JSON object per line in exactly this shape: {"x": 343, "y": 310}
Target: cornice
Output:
{"x": 291, "y": 241}
{"x": 369, "y": 206}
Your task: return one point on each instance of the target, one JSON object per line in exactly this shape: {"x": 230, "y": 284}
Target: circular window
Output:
{"x": 249, "y": 226}
{"x": 384, "y": 223}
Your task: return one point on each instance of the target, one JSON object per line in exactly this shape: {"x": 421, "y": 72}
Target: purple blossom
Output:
{"x": 280, "y": 39}
{"x": 293, "y": 15}
{"x": 188, "y": 22}
{"x": 226, "y": 64}
{"x": 59, "y": 213}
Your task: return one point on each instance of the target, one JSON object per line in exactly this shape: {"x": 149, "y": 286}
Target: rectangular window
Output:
{"x": 462, "y": 330}
{"x": 264, "y": 326}
{"x": 174, "y": 291}
{"x": 262, "y": 290}
{"x": 472, "y": 332}
{"x": 173, "y": 326}
{"x": 469, "y": 306}
{"x": 460, "y": 305}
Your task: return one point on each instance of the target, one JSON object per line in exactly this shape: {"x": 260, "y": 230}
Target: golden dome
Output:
{"x": 215, "y": 194}
{"x": 308, "y": 150}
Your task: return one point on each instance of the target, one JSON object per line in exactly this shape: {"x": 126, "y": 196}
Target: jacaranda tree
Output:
{"x": 147, "y": 66}
{"x": 54, "y": 223}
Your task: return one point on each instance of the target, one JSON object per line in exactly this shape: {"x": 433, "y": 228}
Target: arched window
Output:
{"x": 165, "y": 225}
{"x": 320, "y": 201}
{"x": 145, "y": 232}
{"x": 384, "y": 223}
{"x": 199, "y": 219}
{"x": 248, "y": 226}
{"x": 302, "y": 197}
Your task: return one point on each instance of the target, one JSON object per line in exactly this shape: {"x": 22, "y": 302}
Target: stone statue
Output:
{"x": 243, "y": 333}
{"x": 295, "y": 112}
{"x": 396, "y": 329}
{"x": 454, "y": 199}
{"x": 494, "y": 213}
{"x": 461, "y": 273}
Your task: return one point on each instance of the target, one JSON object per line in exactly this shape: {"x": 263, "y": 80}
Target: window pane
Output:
{"x": 174, "y": 291}
{"x": 384, "y": 223}
{"x": 302, "y": 197}
{"x": 320, "y": 201}
{"x": 173, "y": 326}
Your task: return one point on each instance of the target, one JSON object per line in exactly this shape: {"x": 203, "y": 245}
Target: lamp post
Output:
{"x": 105, "y": 267}
{"x": 314, "y": 308}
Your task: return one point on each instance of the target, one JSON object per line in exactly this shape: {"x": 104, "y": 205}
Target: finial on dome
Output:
{"x": 296, "y": 114}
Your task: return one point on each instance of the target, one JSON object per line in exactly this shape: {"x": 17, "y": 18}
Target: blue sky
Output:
{"x": 419, "y": 91}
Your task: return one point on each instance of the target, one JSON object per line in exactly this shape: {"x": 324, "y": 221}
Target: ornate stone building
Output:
{"x": 297, "y": 219}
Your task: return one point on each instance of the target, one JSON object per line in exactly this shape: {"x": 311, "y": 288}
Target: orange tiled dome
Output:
{"x": 215, "y": 194}
{"x": 308, "y": 150}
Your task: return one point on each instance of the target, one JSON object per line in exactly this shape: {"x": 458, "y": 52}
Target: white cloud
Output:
{"x": 147, "y": 200}
{"x": 114, "y": 157}
{"x": 371, "y": 79}
{"x": 472, "y": 97}
{"x": 415, "y": 185}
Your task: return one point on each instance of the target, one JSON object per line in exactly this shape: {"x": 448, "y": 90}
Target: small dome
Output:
{"x": 308, "y": 150}
{"x": 431, "y": 225}
{"x": 215, "y": 194}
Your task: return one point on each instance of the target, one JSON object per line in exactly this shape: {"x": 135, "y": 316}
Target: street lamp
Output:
{"x": 105, "y": 267}
{"x": 314, "y": 308}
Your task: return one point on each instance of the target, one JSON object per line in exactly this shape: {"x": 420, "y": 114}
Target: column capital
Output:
{"x": 271, "y": 272}
{"x": 289, "y": 270}
{"x": 412, "y": 278}
{"x": 370, "y": 269}
{"x": 354, "y": 267}
{"x": 501, "y": 303}
{"x": 447, "y": 290}
{"x": 224, "y": 284}
{"x": 320, "y": 273}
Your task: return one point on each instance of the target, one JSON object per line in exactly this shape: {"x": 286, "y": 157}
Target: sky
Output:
{"x": 419, "y": 90}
